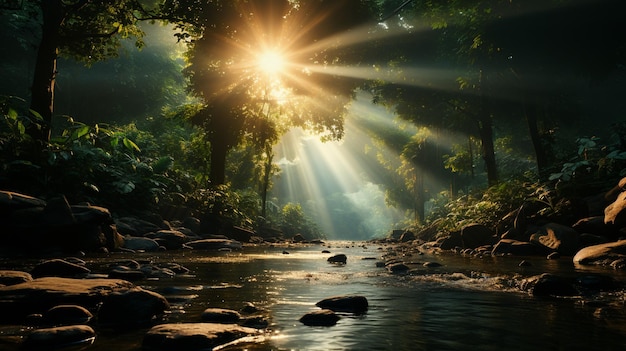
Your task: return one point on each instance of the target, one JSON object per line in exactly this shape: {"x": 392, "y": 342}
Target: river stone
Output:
{"x": 215, "y": 244}
{"x": 548, "y": 285}
{"x": 41, "y": 294}
{"x": 192, "y": 336}
{"x": 134, "y": 307}
{"x": 339, "y": 258}
{"x": 615, "y": 213}
{"x": 140, "y": 244}
{"x": 344, "y": 303}
{"x": 451, "y": 241}
{"x": 599, "y": 253}
{"x": 220, "y": 315}
{"x": 407, "y": 236}
{"x": 59, "y": 338}
{"x": 170, "y": 239}
{"x": 67, "y": 315}
{"x": 515, "y": 247}
{"x": 557, "y": 237}
{"x": 322, "y": 318}
{"x": 59, "y": 268}
{"x": 14, "y": 277}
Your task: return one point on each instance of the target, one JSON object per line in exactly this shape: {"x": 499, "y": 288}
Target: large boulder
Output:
{"x": 193, "y": 336}
{"x": 170, "y": 239}
{"x": 140, "y": 244}
{"x": 602, "y": 253}
{"x": 450, "y": 241}
{"x": 132, "y": 308}
{"x": 596, "y": 226}
{"x": 557, "y": 237}
{"x": 549, "y": 285}
{"x": 476, "y": 235}
{"x": 41, "y": 294}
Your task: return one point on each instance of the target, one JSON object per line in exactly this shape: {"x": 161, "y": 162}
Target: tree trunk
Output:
{"x": 531, "y": 112}
{"x": 266, "y": 178}
{"x": 42, "y": 100}
{"x": 219, "y": 150}
{"x": 485, "y": 129}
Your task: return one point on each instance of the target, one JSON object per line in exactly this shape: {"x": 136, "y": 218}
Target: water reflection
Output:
{"x": 465, "y": 304}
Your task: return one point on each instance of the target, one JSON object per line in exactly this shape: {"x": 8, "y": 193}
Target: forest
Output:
{"x": 329, "y": 118}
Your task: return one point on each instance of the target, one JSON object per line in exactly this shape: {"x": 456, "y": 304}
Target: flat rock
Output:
{"x": 220, "y": 315}
{"x": 192, "y": 336}
{"x": 130, "y": 308}
{"x": 601, "y": 252}
{"x": 57, "y": 338}
{"x": 14, "y": 277}
{"x": 59, "y": 268}
{"x": 321, "y": 318}
{"x": 215, "y": 244}
{"x": 41, "y": 294}
{"x": 345, "y": 303}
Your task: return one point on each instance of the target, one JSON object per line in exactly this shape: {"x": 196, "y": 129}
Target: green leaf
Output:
{"x": 114, "y": 142}
{"x": 130, "y": 145}
{"x": 12, "y": 114}
{"x": 124, "y": 187}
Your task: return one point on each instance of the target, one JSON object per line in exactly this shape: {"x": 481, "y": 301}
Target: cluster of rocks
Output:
{"x": 64, "y": 303}
{"x": 327, "y": 315}
{"x": 54, "y": 226}
{"x": 593, "y": 239}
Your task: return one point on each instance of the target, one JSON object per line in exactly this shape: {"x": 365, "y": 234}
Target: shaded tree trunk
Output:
{"x": 531, "y": 112}
{"x": 219, "y": 150}
{"x": 266, "y": 179}
{"x": 42, "y": 100}
{"x": 485, "y": 130}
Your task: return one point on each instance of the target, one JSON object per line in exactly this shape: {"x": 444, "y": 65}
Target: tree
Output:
{"x": 227, "y": 38}
{"x": 85, "y": 30}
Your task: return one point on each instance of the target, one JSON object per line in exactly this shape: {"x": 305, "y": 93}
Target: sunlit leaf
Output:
{"x": 130, "y": 145}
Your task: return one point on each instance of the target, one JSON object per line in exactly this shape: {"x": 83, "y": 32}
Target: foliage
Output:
{"x": 294, "y": 221}
{"x": 484, "y": 207}
{"x": 237, "y": 207}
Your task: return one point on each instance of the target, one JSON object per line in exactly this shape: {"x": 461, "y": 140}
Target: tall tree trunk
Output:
{"x": 219, "y": 150}
{"x": 485, "y": 130}
{"x": 531, "y": 112}
{"x": 42, "y": 100}
{"x": 266, "y": 178}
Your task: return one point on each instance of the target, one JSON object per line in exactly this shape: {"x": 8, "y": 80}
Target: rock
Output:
{"x": 40, "y": 295}
{"x": 407, "y": 236}
{"x": 11, "y": 201}
{"x": 596, "y": 226}
{"x": 134, "y": 307}
{"x": 451, "y": 241}
{"x": 345, "y": 303}
{"x": 192, "y": 336}
{"x": 140, "y": 244}
{"x": 215, "y": 244}
{"x": 397, "y": 268}
{"x": 59, "y": 268}
{"x": 126, "y": 274}
{"x": 75, "y": 336}
{"x": 220, "y": 315}
{"x": 615, "y": 213}
{"x": 14, "y": 277}
{"x": 603, "y": 252}
{"x": 135, "y": 226}
{"x": 170, "y": 239}
{"x": 515, "y": 247}
{"x": 476, "y": 235}
{"x": 240, "y": 234}
{"x": 557, "y": 237}
{"x": 549, "y": 285}
{"x": 298, "y": 238}
{"x": 321, "y": 318}
{"x": 67, "y": 315}
{"x": 339, "y": 258}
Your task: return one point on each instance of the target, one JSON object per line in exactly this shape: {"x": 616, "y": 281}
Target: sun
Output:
{"x": 271, "y": 62}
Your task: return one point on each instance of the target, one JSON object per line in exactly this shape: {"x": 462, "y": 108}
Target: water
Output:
{"x": 467, "y": 304}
